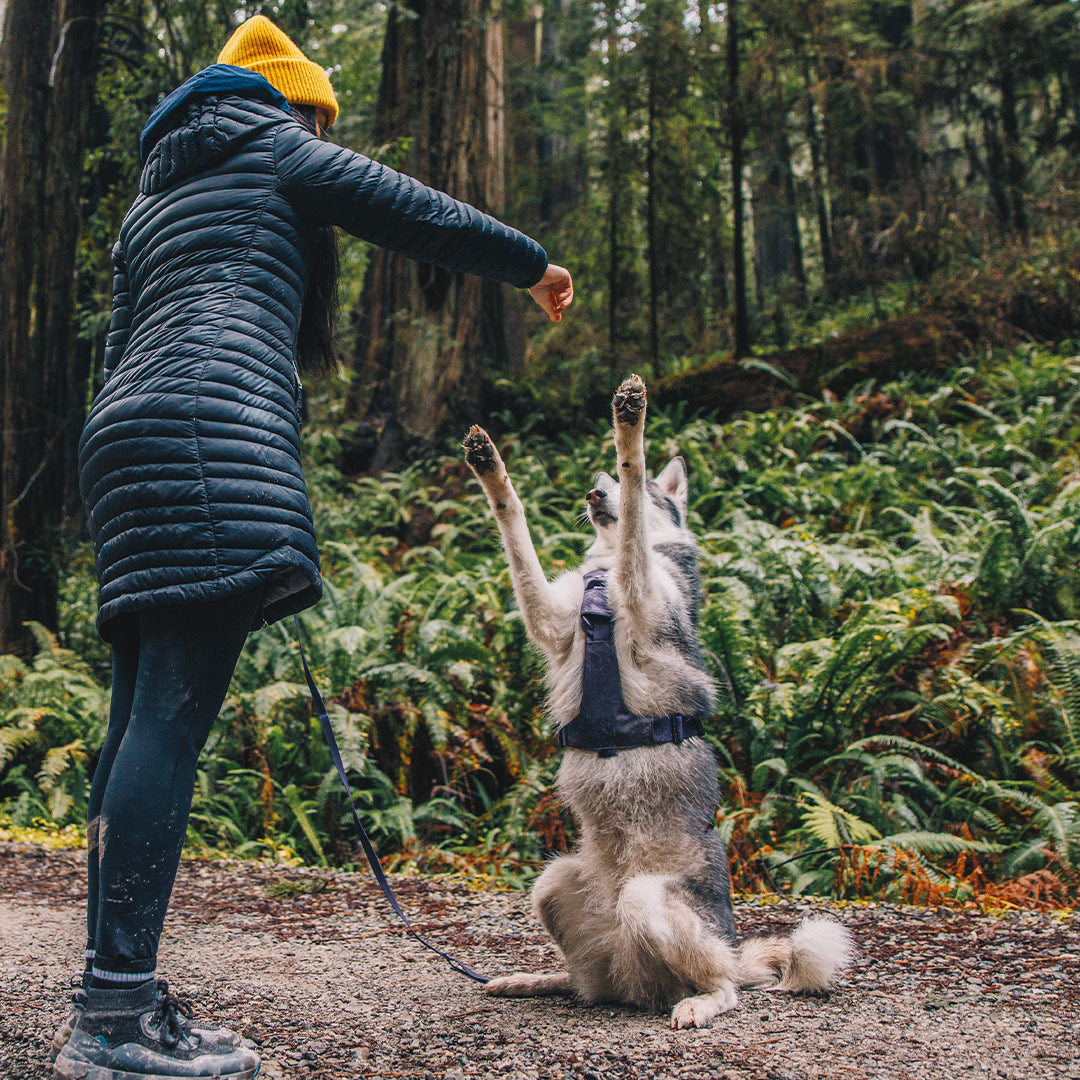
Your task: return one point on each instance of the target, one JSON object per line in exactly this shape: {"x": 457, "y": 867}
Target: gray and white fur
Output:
{"x": 641, "y": 911}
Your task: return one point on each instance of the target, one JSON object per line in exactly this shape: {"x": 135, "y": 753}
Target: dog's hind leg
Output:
{"x": 574, "y": 913}
{"x": 668, "y": 949}
{"x": 578, "y": 911}
{"x": 525, "y": 984}
{"x": 550, "y": 611}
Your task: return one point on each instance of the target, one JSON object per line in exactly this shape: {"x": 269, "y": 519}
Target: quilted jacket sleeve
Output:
{"x": 335, "y": 185}
{"x": 120, "y": 323}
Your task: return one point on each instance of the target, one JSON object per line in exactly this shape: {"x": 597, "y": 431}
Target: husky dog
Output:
{"x": 641, "y": 911}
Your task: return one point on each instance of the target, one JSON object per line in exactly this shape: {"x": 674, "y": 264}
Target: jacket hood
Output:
{"x": 188, "y": 132}
{"x": 216, "y": 79}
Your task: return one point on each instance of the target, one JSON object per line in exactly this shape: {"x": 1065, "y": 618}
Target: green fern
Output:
{"x": 860, "y": 619}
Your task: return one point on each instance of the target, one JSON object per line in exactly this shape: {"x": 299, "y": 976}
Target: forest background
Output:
{"x": 839, "y": 240}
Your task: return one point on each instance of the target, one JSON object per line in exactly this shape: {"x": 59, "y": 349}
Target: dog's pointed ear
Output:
{"x": 605, "y": 482}
{"x": 672, "y": 482}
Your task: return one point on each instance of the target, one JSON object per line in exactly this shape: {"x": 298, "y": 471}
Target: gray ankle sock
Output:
{"x": 111, "y": 999}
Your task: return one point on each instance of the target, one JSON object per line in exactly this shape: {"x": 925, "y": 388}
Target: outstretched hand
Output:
{"x": 554, "y": 292}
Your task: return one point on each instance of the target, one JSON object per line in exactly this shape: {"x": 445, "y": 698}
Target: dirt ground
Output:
{"x": 312, "y": 966}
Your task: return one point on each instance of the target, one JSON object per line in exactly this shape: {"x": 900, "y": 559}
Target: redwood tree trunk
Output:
{"x": 425, "y": 333}
{"x": 49, "y": 64}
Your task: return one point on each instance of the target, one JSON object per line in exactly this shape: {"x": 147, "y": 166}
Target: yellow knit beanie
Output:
{"x": 259, "y": 45}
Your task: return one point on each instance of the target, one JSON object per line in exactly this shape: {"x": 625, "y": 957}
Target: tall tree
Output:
{"x": 774, "y": 89}
{"x": 818, "y": 179}
{"x": 676, "y": 165}
{"x": 564, "y": 43}
{"x": 736, "y": 125}
{"x": 425, "y": 332}
{"x": 615, "y": 168}
{"x": 49, "y": 60}
{"x": 994, "y": 62}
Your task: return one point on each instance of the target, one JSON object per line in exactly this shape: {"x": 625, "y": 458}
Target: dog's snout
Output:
{"x": 596, "y": 496}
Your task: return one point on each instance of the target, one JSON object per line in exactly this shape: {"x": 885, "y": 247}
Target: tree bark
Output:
{"x": 615, "y": 179}
{"x": 614, "y": 255}
{"x": 1014, "y": 162}
{"x": 818, "y": 180}
{"x": 425, "y": 333}
{"x": 777, "y": 240}
{"x": 798, "y": 265}
{"x": 49, "y": 67}
{"x": 73, "y": 75}
{"x": 650, "y": 221}
{"x": 563, "y": 161}
{"x": 735, "y": 120}
{"x": 716, "y": 277}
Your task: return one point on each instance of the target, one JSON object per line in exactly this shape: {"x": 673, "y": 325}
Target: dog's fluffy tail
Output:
{"x": 810, "y": 959}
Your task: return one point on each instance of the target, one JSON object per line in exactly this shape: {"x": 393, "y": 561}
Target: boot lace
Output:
{"x": 170, "y": 1015}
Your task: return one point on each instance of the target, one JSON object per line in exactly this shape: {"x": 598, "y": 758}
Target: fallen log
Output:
{"x": 924, "y": 341}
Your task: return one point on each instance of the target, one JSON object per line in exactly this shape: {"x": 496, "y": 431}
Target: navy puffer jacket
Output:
{"x": 189, "y": 462}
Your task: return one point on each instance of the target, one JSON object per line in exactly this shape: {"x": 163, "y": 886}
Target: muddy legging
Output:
{"x": 171, "y": 671}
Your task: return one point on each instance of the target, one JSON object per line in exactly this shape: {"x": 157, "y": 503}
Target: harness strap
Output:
{"x": 628, "y": 730}
{"x": 369, "y": 849}
{"x": 604, "y": 724}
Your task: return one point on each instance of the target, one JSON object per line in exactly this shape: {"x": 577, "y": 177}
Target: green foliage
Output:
{"x": 53, "y": 713}
{"x": 892, "y": 600}
{"x": 892, "y": 617}
{"x": 883, "y": 149}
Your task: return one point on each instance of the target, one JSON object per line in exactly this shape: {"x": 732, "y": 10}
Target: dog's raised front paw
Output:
{"x": 629, "y": 401}
{"x": 480, "y": 451}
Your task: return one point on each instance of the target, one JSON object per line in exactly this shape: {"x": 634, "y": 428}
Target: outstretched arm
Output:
{"x": 337, "y": 186}
{"x": 549, "y": 615}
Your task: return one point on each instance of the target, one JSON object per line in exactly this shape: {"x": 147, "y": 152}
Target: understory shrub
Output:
{"x": 892, "y": 616}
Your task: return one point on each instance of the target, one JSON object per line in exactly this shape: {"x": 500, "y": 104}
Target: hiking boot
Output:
{"x": 67, "y": 1025}
{"x": 145, "y": 1034}
{"x": 208, "y": 1033}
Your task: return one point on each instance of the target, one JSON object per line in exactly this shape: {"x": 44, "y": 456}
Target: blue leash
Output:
{"x": 369, "y": 849}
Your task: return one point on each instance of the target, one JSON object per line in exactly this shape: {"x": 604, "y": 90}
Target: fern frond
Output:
{"x": 831, "y": 825}
{"x": 293, "y": 801}
{"x": 937, "y": 843}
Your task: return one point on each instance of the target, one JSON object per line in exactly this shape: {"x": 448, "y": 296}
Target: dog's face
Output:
{"x": 665, "y": 512}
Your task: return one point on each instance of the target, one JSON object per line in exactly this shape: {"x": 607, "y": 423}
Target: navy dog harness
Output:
{"x": 603, "y": 723}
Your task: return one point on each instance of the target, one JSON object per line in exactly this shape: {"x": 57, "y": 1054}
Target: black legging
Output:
{"x": 171, "y": 671}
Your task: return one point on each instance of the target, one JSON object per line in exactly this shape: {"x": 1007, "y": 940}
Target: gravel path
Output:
{"x": 311, "y": 965}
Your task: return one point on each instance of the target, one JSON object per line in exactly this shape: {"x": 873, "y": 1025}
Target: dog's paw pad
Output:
{"x": 629, "y": 401}
{"x": 479, "y": 450}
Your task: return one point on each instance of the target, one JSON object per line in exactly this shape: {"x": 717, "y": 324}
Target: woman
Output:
{"x": 190, "y": 473}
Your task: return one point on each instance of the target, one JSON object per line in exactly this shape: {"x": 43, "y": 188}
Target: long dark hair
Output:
{"x": 315, "y": 343}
